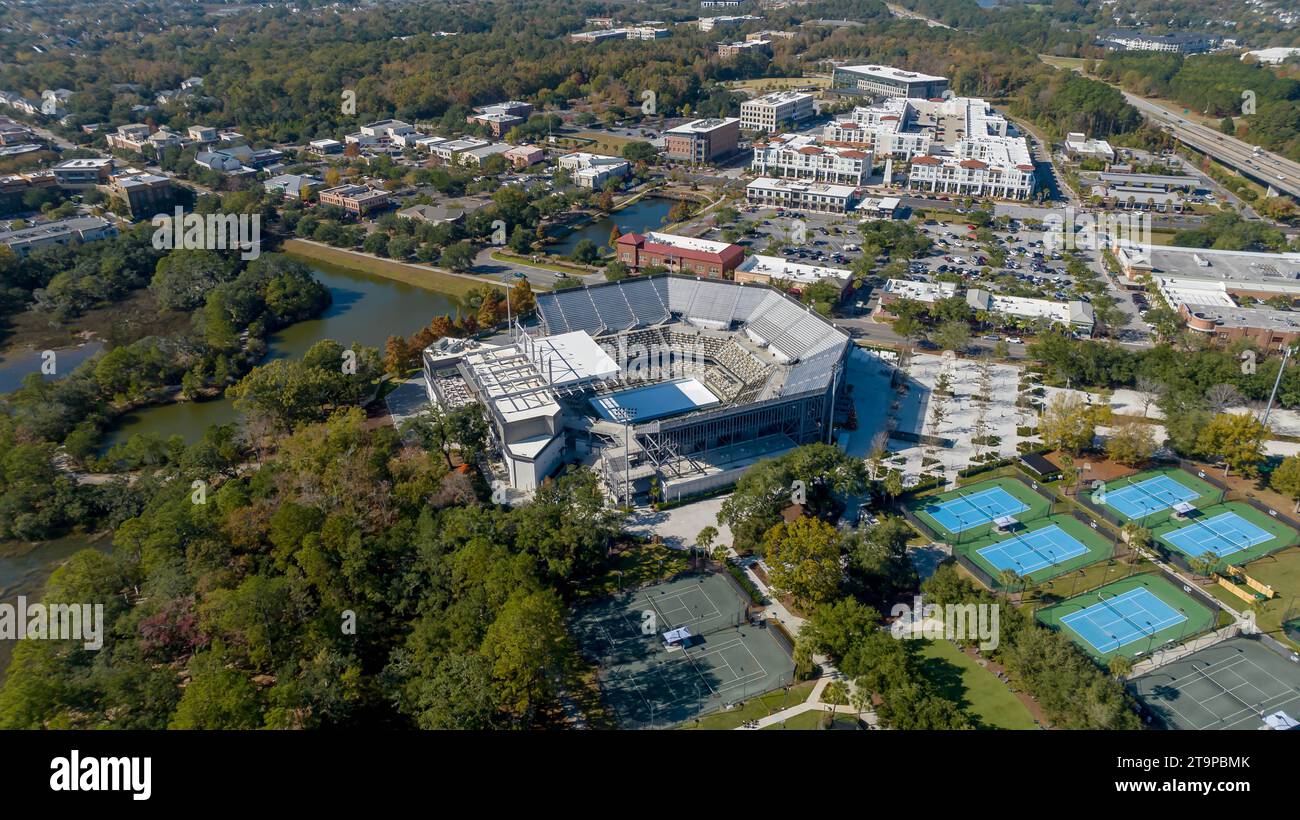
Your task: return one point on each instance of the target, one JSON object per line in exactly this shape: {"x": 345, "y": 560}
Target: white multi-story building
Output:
{"x": 886, "y": 81}
{"x": 819, "y": 197}
{"x": 725, "y": 21}
{"x": 770, "y": 111}
{"x": 986, "y": 160}
{"x": 895, "y": 128}
{"x": 802, "y": 157}
{"x": 594, "y": 170}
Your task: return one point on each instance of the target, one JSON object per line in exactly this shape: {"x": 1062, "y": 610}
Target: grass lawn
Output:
{"x": 815, "y": 719}
{"x": 986, "y": 698}
{"x": 1281, "y": 571}
{"x": 571, "y": 270}
{"x": 1068, "y": 63}
{"x": 418, "y": 275}
{"x": 755, "y": 708}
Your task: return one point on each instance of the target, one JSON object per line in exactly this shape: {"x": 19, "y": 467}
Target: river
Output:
{"x": 15, "y": 366}
{"x": 367, "y": 309}
{"x": 646, "y": 214}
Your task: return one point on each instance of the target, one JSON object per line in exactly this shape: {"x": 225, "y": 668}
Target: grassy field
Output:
{"x": 815, "y": 719}
{"x": 755, "y": 708}
{"x": 1067, "y": 63}
{"x": 985, "y": 697}
{"x": 1281, "y": 571}
{"x": 766, "y": 84}
{"x": 571, "y": 270}
{"x": 418, "y": 275}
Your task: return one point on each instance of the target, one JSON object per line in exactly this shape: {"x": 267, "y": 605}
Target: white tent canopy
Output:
{"x": 677, "y": 636}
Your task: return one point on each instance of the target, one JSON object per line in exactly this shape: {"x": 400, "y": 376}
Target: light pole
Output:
{"x": 1285, "y": 355}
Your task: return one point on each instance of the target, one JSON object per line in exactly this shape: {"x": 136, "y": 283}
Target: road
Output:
{"x": 1265, "y": 167}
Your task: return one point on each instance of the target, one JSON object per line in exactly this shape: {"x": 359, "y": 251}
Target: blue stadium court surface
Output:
{"x": 1222, "y": 535}
{"x": 655, "y": 401}
{"x": 967, "y": 511}
{"x": 1153, "y": 495}
{"x": 1119, "y": 621}
{"x": 1033, "y": 551}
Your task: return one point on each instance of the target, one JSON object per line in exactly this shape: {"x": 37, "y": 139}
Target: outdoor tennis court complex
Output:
{"x": 649, "y": 683}
{"x": 1038, "y": 550}
{"x": 1131, "y": 616}
{"x": 1235, "y": 684}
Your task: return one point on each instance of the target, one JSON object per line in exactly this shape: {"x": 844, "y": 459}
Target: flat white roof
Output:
{"x": 778, "y": 268}
{"x": 802, "y": 186}
{"x": 686, "y": 242}
{"x": 569, "y": 358}
{"x": 702, "y": 126}
{"x": 891, "y": 73}
{"x": 655, "y": 401}
{"x": 920, "y": 291}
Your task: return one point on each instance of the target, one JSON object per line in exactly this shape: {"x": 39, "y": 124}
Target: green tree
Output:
{"x": 1286, "y": 479}
{"x": 804, "y": 558}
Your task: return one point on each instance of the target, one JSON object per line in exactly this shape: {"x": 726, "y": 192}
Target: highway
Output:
{"x": 1264, "y": 167}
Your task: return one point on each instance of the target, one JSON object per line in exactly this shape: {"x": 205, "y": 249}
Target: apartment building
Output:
{"x": 1178, "y": 43}
{"x": 728, "y": 50}
{"x": 358, "y": 200}
{"x": 679, "y": 254}
{"x": 140, "y": 139}
{"x": 770, "y": 112}
{"x": 594, "y": 170}
{"x": 794, "y": 194}
{"x": 986, "y": 161}
{"x": 703, "y": 140}
{"x": 886, "y": 81}
{"x": 896, "y": 128}
{"x": 802, "y": 156}
{"x": 62, "y": 232}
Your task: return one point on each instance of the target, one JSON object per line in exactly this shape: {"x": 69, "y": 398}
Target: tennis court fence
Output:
{"x": 980, "y": 575}
{"x": 1196, "y": 472}
{"x": 920, "y": 525}
{"x": 1276, "y": 645}
{"x": 1267, "y": 510}
{"x": 1092, "y": 525}
{"x": 1098, "y": 510}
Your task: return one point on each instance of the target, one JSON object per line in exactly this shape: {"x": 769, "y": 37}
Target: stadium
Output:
{"x": 667, "y": 380}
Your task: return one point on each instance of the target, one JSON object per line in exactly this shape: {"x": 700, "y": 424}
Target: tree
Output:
{"x": 1286, "y": 479}
{"x": 1067, "y": 424}
{"x": 527, "y": 640}
{"x": 804, "y": 558}
{"x": 1237, "y": 438}
{"x": 1119, "y": 666}
{"x": 1136, "y": 536}
{"x": 1131, "y": 443}
{"x": 458, "y": 257}
{"x": 952, "y": 335}
{"x": 704, "y": 540}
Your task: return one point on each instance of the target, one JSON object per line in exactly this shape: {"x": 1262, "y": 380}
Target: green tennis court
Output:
{"x": 1039, "y": 550}
{"x": 969, "y": 512}
{"x": 1233, "y": 533}
{"x": 1131, "y": 617}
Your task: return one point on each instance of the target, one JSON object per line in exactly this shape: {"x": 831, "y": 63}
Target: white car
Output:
{"x": 1014, "y": 340}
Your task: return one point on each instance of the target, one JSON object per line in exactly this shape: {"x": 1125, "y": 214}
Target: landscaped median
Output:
{"x": 554, "y": 267}
{"x": 421, "y": 276}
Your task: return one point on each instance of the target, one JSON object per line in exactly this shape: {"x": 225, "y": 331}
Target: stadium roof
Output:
{"x": 808, "y": 346}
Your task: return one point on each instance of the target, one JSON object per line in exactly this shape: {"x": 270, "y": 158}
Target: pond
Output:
{"x": 367, "y": 309}
{"x": 16, "y": 365}
{"x": 646, "y": 214}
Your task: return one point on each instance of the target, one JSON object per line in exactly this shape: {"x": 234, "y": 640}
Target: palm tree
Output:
{"x": 1009, "y": 578}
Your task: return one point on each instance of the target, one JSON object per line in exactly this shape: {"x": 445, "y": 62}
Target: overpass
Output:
{"x": 1251, "y": 161}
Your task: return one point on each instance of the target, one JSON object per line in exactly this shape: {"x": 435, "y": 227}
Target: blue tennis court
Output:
{"x": 1222, "y": 535}
{"x": 967, "y": 511}
{"x": 1153, "y": 495}
{"x": 1119, "y": 621}
{"x": 1033, "y": 551}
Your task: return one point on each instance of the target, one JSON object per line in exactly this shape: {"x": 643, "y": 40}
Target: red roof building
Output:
{"x": 679, "y": 254}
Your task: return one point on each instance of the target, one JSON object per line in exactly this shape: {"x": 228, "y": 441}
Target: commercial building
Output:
{"x": 804, "y": 156}
{"x": 886, "y": 81}
{"x": 1242, "y": 273}
{"x": 772, "y": 112}
{"x": 1272, "y": 56}
{"x": 794, "y": 194}
{"x": 679, "y": 254}
{"x": 594, "y": 170}
{"x": 790, "y": 276}
{"x": 145, "y": 194}
{"x": 645, "y": 31}
{"x": 521, "y": 156}
{"x": 878, "y": 207}
{"x": 725, "y": 21}
{"x": 62, "y": 232}
{"x": 355, "y": 199}
{"x": 1076, "y": 315}
{"x": 703, "y": 140}
{"x": 1208, "y": 308}
{"x": 83, "y": 172}
{"x": 475, "y": 157}
{"x": 896, "y": 290}
{"x": 728, "y": 50}
{"x": 1077, "y": 144}
{"x": 293, "y": 186}
{"x": 449, "y": 150}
